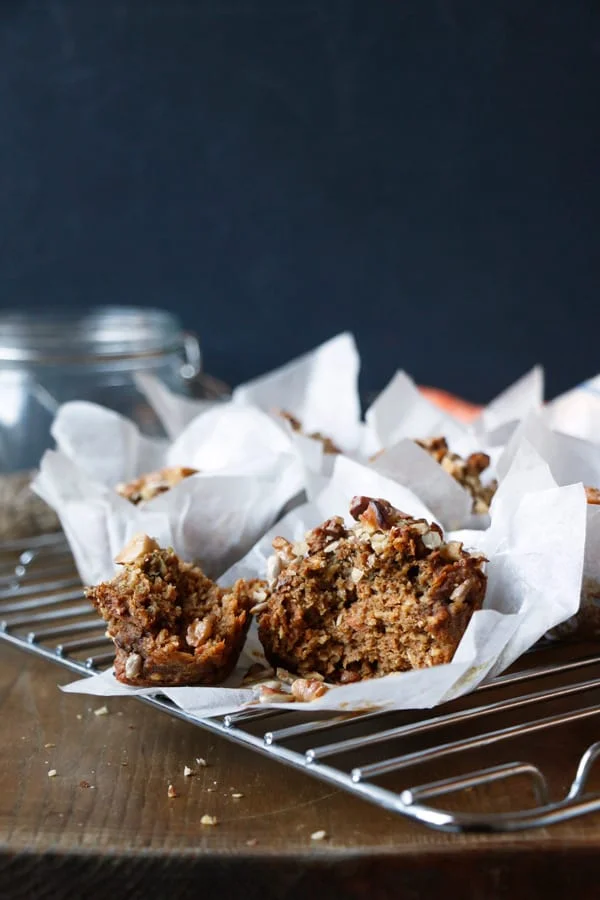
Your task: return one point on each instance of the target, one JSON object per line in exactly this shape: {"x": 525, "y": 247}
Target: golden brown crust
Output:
{"x": 151, "y": 484}
{"x": 466, "y": 471}
{"x": 385, "y": 595}
{"x": 171, "y": 625}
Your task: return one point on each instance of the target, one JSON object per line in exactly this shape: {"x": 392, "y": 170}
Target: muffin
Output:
{"x": 170, "y": 624}
{"x": 387, "y": 594}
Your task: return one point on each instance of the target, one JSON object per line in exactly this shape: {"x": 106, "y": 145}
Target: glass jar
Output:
{"x": 48, "y": 358}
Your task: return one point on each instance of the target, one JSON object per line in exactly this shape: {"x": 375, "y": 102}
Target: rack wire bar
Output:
{"x": 407, "y": 763}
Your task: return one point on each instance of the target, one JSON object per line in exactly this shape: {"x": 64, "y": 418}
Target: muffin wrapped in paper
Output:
{"x": 447, "y": 463}
{"x": 571, "y": 459}
{"x": 245, "y": 474}
{"x": 170, "y": 623}
{"x": 315, "y": 399}
{"x": 534, "y": 549}
{"x": 385, "y": 594}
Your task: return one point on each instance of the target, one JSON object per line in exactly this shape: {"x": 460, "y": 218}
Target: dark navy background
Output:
{"x": 425, "y": 173}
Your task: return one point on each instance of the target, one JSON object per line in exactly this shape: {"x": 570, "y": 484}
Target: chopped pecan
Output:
{"x": 138, "y": 547}
{"x": 477, "y": 463}
{"x": 376, "y": 514}
{"x": 273, "y": 695}
{"x": 331, "y": 530}
{"x": 284, "y": 549}
{"x": 592, "y": 496}
{"x": 151, "y": 484}
{"x": 308, "y": 689}
{"x": 435, "y": 446}
{"x": 200, "y": 630}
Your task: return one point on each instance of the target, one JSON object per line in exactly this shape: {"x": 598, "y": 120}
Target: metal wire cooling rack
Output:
{"x": 529, "y": 726}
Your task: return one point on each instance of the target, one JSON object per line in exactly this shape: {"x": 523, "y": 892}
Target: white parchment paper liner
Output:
{"x": 577, "y": 412}
{"x": 401, "y": 413}
{"x": 535, "y": 550}
{"x": 248, "y": 472}
{"x": 321, "y": 390}
{"x": 570, "y": 459}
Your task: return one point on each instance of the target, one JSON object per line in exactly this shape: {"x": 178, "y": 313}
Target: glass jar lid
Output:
{"x": 108, "y": 332}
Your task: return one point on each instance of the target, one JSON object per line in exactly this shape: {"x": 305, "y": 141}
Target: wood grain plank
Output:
{"x": 67, "y": 830}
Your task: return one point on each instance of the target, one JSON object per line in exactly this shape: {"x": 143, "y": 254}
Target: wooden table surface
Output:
{"x": 104, "y": 825}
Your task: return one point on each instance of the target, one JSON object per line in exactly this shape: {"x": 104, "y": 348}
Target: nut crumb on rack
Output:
{"x": 49, "y": 746}
{"x": 52, "y": 773}
{"x": 252, "y": 842}
{"x": 209, "y": 820}
{"x": 101, "y": 711}
{"x": 318, "y": 835}
{"x": 272, "y": 695}
{"x": 84, "y": 784}
{"x": 187, "y": 771}
{"x": 307, "y": 689}
{"x": 200, "y": 761}
{"x": 237, "y": 796}
{"x": 171, "y": 792}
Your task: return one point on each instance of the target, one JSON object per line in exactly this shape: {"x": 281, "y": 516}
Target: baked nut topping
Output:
{"x": 466, "y": 471}
{"x": 329, "y": 446}
{"x": 152, "y": 484}
{"x": 139, "y": 546}
{"x": 375, "y": 514}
